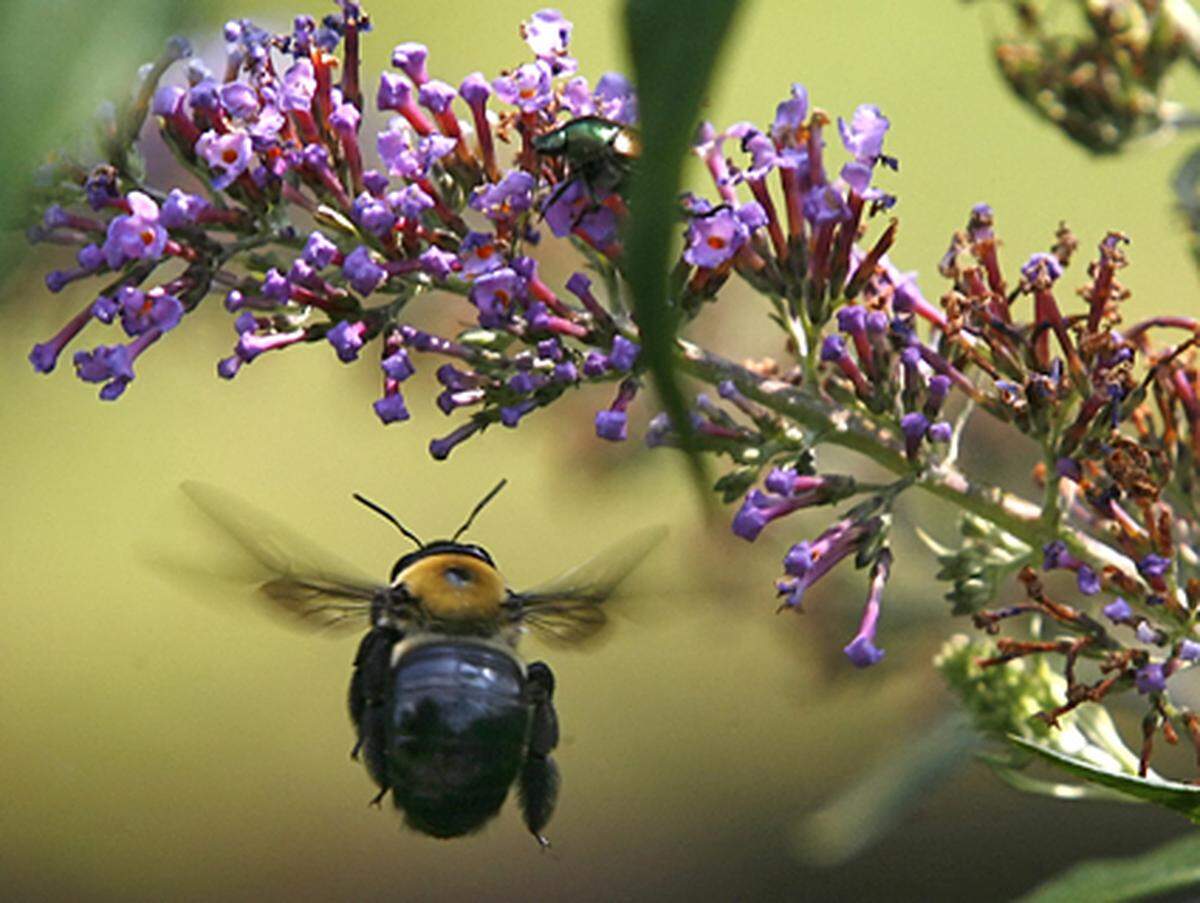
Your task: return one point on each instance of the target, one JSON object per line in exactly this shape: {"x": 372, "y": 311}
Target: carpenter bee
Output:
{"x": 447, "y": 715}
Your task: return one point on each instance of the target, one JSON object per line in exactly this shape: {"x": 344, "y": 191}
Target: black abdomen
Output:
{"x": 455, "y": 735}
{"x": 469, "y": 685}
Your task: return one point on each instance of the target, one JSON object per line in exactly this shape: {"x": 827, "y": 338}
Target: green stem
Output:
{"x": 844, "y": 427}
{"x": 1051, "y": 512}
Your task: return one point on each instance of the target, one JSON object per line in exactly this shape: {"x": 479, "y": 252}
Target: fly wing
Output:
{"x": 571, "y": 609}
{"x": 295, "y": 577}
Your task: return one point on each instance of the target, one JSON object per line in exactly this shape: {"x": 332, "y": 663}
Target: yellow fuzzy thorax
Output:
{"x": 454, "y": 587}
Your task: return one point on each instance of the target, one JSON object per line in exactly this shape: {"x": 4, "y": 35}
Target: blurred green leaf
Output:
{"x": 674, "y": 47}
{"x": 1183, "y": 798}
{"x": 867, "y": 811}
{"x": 1169, "y": 868}
{"x": 59, "y": 60}
{"x": 1186, "y": 184}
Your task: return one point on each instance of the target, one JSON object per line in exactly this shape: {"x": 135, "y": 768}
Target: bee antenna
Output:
{"x": 483, "y": 502}
{"x": 390, "y": 518}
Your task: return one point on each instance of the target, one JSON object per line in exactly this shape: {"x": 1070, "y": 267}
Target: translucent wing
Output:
{"x": 295, "y": 577}
{"x": 570, "y": 608}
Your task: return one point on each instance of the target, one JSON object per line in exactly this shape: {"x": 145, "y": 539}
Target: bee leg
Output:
{"x": 368, "y": 697}
{"x": 358, "y": 708}
{"x": 538, "y": 782}
{"x": 369, "y": 683}
{"x": 537, "y": 792}
{"x": 539, "y": 690}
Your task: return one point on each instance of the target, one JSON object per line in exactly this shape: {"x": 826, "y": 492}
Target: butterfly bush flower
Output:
{"x": 137, "y": 235}
{"x": 862, "y": 650}
{"x": 317, "y": 226}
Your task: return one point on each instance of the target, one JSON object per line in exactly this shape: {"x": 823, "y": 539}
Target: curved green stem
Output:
{"x": 844, "y": 427}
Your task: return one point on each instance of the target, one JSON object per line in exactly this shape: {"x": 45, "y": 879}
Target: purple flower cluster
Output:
{"x": 801, "y": 239}
{"x": 866, "y": 340}
{"x": 281, "y": 128}
{"x": 808, "y": 561}
{"x": 1118, "y": 417}
{"x": 787, "y": 491}
{"x": 797, "y": 236}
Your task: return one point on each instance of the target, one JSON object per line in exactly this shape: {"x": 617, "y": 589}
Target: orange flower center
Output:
{"x": 229, "y": 155}
{"x": 716, "y": 242}
{"x": 147, "y": 236}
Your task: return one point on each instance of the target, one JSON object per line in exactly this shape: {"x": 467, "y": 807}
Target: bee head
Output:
{"x": 440, "y": 547}
{"x": 451, "y": 581}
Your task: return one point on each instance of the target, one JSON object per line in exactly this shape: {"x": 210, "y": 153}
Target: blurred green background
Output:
{"x": 160, "y": 743}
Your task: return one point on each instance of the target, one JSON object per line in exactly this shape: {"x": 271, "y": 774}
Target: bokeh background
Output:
{"x": 164, "y": 741}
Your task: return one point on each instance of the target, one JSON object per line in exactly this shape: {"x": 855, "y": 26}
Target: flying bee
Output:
{"x": 447, "y": 715}
{"x": 598, "y": 153}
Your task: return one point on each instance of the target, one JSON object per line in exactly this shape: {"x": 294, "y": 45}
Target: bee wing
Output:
{"x": 295, "y": 577}
{"x": 570, "y": 609}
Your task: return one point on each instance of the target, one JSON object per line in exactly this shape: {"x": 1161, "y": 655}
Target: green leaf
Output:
{"x": 866, "y": 812}
{"x": 1019, "y": 780}
{"x": 1183, "y": 798}
{"x": 673, "y": 46}
{"x": 1186, "y": 184}
{"x": 1173, "y": 867}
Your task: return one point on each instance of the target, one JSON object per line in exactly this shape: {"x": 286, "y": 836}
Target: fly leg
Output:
{"x": 538, "y": 785}
{"x": 601, "y": 179}
{"x": 555, "y": 196}
{"x": 595, "y": 192}
{"x": 591, "y": 202}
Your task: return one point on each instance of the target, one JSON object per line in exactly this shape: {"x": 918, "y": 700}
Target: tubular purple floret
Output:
{"x": 787, "y": 492}
{"x": 807, "y": 562}
{"x": 391, "y": 407}
{"x": 914, "y": 426}
{"x": 410, "y": 58}
{"x": 708, "y": 147}
{"x": 580, "y": 286}
{"x": 250, "y": 344}
{"x": 44, "y": 355}
{"x": 440, "y": 448}
{"x": 833, "y": 350}
{"x": 612, "y": 424}
{"x": 852, "y": 320}
{"x": 862, "y": 650}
